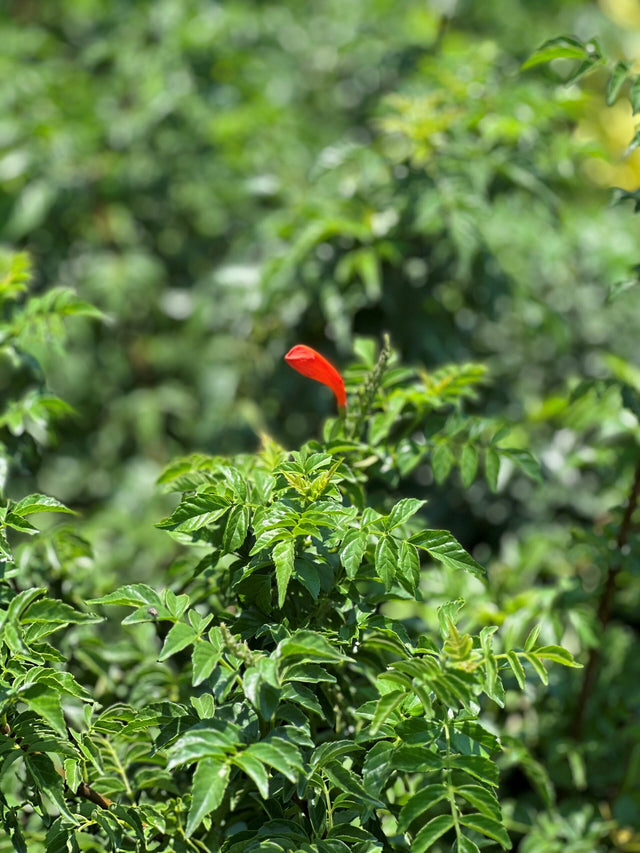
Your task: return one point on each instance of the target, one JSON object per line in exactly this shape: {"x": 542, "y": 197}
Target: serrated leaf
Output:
{"x": 430, "y": 833}
{"x": 179, "y": 637}
{"x": 420, "y": 803}
{"x": 468, "y": 464}
{"x": 56, "y": 612}
{"x": 525, "y": 461}
{"x": 38, "y": 503}
{"x": 195, "y": 512}
{"x": 482, "y": 799}
{"x": 283, "y": 557}
{"x": 235, "y": 531}
{"x": 488, "y": 827}
{"x": 386, "y": 560}
{"x": 209, "y": 784}
{"x": 616, "y": 81}
{"x": 203, "y": 661}
{"x": 442, "y": 460}
{"x": 352, "y": 550}
{"x": 377, "y": 767}
{"x": 387, "y": 704}
{"x": 491, "y": 467}
{"x": 345, "y": 780}
{"x": 310, "y": 646}
{"x": 280, "y": 754}
{"x": 443, "y": 546}
{"x": 204, "y": 740}
{"x": 131, "y": 595}
{"x": 255, "y": 770}
{"x": 46, "y": 702}
{"x": 477, "y": 766}
{"x": 409, "y": 563}
{"x": 403, "y": 511}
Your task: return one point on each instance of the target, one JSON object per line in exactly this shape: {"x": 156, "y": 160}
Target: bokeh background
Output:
{"x": 224, "y": 180}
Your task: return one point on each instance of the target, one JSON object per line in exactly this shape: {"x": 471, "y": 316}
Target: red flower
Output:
{"x": 310, "y": 363}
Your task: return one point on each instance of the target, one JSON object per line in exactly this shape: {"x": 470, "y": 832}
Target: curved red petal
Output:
{"x": 311, "y": 364}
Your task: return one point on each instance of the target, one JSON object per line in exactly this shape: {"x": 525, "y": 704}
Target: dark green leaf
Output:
{"x": 283, "y": 557}
{"x": 424, "y": 840}
{"x": 487, "y": 826}
{"x": 386, "y": 560}
{"x": 209, "y": 784}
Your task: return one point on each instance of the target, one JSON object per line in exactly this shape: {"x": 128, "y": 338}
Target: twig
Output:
{"x": 604, "y": 607}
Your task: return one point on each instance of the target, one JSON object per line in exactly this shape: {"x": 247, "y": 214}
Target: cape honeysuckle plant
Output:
{"x": 279, "y": 707}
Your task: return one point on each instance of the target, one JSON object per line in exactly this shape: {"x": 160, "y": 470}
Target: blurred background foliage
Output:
{"x": 223, "y": 181}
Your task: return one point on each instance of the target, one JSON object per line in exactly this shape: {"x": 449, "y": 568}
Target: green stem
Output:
{"x": 450, "y": 789}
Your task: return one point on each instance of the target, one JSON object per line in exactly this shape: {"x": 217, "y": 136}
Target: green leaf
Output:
{"x": 532, "y": 638}
{"x": 131, "y": 595}
{"x": 442, "y": 460}
{"x": 46, "y": 702}
{"x": 409, "y": 563}
{"x": 352, "y": 550}
{"x": 377, "y": 767}
{"x": 482, "y": 799}
{"x": 387, "y": 704}
{"x": 487, "y": 826}
{"x": 283, "y": 558}
{"x": 562, "y": 47}
{"x": 235, "y": 531}
{"x": 430, "y": 833}
{"x": 179, "y": 637}
{"x": 57, "y": 612}
{"x": 386, "y": 560}
{"x": 468, "y": 464}
{"x": 538, "y": 666}
{"x": 209, "y": 784}
{"x": 49, "y": 781}
{"x": 403, "y": 511}
{"x": 525, "y": 461}
{"x": 420, "y": 803}
{"x": 280, "y": 754}
{"x": 492, "y": 467}
{"x": 255, "y": 770}
{"x": 444, "y": 547}
{"x": 345, "y": 780}
{"x": 634, "y": 95}
{"x": 204, "y": 658}
{"x": 38, "y": 503}
{"x": 477, "y": 766}
{"x": 261, "y": 687}
{"x": 204, "y": 740}
{"x": 466, "y": 845}
{"x": 518, "y": 669}
{"x": 616, "y": 81}
{"x": 558, "y": 655}
{"x": 310, "y": 646}
{"x": 195, "y": 512}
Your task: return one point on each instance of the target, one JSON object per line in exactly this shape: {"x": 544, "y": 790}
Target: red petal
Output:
{"x": 310, "y": 363}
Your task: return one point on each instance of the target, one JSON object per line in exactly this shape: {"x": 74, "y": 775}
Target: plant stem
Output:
{"x": 604, "y": 606}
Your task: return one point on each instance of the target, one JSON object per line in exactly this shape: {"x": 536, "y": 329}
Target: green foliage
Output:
{"x": 298, "y": 710}
{"x": 284, "y": 661}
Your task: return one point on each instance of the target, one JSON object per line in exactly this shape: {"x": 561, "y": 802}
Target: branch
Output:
{"x": 604, "y": 607}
